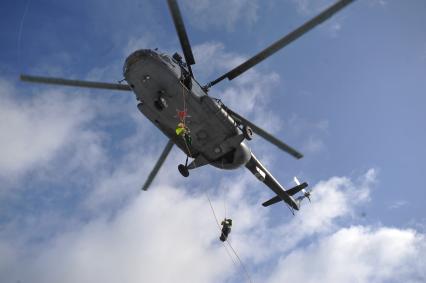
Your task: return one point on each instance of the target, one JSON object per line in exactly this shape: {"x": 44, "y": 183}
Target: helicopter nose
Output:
{"x": 136, "y": 56}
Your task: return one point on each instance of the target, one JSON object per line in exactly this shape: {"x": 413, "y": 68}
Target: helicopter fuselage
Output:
{"x": 164, "y": 88}
{"x": 201, "y": 126}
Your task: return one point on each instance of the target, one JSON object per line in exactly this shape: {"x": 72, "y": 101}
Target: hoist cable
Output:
{"x": 211, "y": 206}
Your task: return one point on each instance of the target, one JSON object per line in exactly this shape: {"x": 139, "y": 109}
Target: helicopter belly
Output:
{"x": 162, "y": 95}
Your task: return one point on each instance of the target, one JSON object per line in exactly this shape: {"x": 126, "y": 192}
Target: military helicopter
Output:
{"x": 168, "y": 94}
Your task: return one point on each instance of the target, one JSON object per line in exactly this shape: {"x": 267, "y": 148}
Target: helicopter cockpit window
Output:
{"x": 134, "y": 57}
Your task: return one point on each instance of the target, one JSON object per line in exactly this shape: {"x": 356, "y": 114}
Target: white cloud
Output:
{"x": 318, "y": 131}
{"x": 334, "y": 28}
{"x": 313, "y": 145}
{"x": 248, "y": 94}
{"x": 51, "y": 64}
{"x": 213, "y": 59}
{"x": 124, "y": 248}
{"x": 309, "y": 8}
{"x": 113, "y": 70}
{"x": 38, "y": 128}
{"x": 302, "y": 6}
{"x": 382, "y": 3}
{"x": 331, "y": 200}
{"x": 397, "y": 204}
{"x": 220, "y": 13}
{"x": 357, "y": 254}
{"x": 168, "y": 234}
{"x": 136, "y": 43}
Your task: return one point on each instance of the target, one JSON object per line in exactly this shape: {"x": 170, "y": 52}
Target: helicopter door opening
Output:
{"x": 197, "y": 90}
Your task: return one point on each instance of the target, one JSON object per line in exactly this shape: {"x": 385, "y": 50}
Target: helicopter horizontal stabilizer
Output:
{"x": 272, "y": 201}
{"x": 290, "y": 192}
{"x": 297, "y": 189}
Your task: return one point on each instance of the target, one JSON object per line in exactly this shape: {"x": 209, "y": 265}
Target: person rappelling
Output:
{"x": 226, "y": 229}
{"x": 181, "y": 129}
{"x": 186, "y": 75}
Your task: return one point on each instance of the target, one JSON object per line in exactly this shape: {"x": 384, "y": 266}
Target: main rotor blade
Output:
{"x": 267, "y": 136}
{"x": 157, "y": 166}
{"x": 77, "y": 83}
{"x": 181, "y": 32}
{"x": 276, "y": 46}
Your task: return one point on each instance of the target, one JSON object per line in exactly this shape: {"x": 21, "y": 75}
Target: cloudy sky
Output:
{"x": 350, "y": 95}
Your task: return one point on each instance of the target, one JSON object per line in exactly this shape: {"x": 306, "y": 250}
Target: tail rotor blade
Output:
{"x": 307, "y": 194}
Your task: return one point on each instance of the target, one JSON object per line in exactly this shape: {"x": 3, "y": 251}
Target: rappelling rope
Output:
{"x": 229, "y": 255}
{"x": 241, "y": 262}
{"x": 211, "y": 206}
{"x": 183, "y": 119}
{"x": 184, "y": 103}
{"x": 218, "y": 225}
{"x": 224, "y": 205}
{"x": 233, "y": 250}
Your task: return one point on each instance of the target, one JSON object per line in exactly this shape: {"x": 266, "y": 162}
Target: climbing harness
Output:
{"x": 180, "y": 129}
{"x": 226, "y": 229}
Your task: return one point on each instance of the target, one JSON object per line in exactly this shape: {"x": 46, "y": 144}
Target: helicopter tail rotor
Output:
{"x": 306, "y": 193}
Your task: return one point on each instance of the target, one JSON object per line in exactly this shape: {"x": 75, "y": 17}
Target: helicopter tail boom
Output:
{"x": 266, "y": 177}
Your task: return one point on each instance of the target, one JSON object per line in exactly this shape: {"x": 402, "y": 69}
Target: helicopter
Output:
{"x": 208, "y": 132}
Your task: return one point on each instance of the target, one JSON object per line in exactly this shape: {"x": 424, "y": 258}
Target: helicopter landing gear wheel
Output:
{"x": 183, "y": 170}
{"x": 248, "y": 133}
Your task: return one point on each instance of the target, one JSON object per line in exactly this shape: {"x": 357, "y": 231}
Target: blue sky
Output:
{"x": 349, "y": 95}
